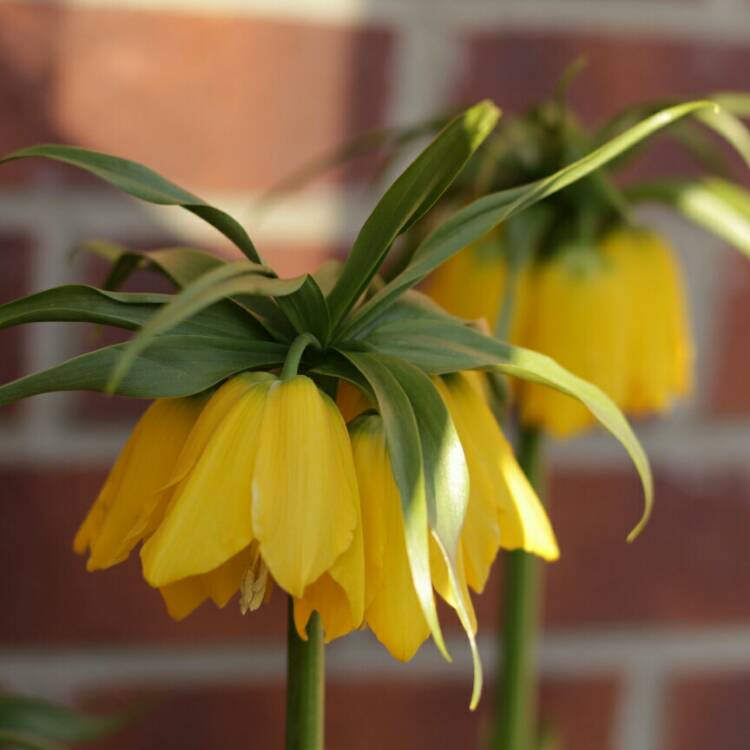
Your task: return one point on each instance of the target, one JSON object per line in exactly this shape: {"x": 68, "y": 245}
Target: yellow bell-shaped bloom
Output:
{"x": 503, "y": 510}
{"x": 136, "y": 493}
{"x": 659, "y": 343}
{"x": 252, "y": 488}
{"x": 579, "y": 317}
{"x": 473, "y": 283}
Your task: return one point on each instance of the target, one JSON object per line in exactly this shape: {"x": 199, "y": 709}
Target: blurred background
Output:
{"x": 646, "y": 647}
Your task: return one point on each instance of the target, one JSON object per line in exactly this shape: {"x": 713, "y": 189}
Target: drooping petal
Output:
{"x": 133, "y": 497}
{"x": 393, "y": 612}
{"x": 481, "y": 531}
{"x": 210, "y": 518}
{"x": 185, "y": 596}
{"x": 522, "y": 519}
{"x": 217, "y": 408}
{"x": 305, "y": 497}
{"x": 660, "y": 351}
{"x": 578, "y": 318}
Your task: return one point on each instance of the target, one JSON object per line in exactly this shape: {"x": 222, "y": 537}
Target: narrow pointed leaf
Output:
{"x": 413, "y": 193}
{"x": 141, "y": 182}
{"x": 306, "y": 310}
{"x": 441, "y": 346}
{"x": 184, "y": 266}
{"x": 227, "y": 281}
{"x": 447, "y": 482}
{"x": 174, "y": 365}
{"x": 478, "y": 218}
{"x": 181, "y": 265}
{"x": 128, "y": 310}
{"x": 719, "y": 206}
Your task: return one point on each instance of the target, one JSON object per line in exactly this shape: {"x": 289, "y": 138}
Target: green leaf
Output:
{"x": 142, "y": 182}
{"x": 729, "y": 127}
{"x": 721, "y": 207}
{"x": 440, "y": 346}
{"x": 405, "y": 451}
{"x": 478, "y": 218}
{"x": 413, "y": 193}
{"x": 307, "y": 311}
{"x": 26, "y": 741}
{"x": 181, "y": 265}
{"x": 128, "y": 310}
{"x": 447, "y": 483}
{"x": 227, "y": 281}
{"x": 174, "y": 365}
{"x": 42, "y": 720}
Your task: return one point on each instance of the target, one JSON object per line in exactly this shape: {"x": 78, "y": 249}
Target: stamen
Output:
{"x": 254, "y": 581}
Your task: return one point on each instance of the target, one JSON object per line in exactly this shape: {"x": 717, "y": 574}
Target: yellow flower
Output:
{"x": 132, "y": 502}
{"x": 659, "y": 343}
{"x": 261, "y": 490}
{"x": 579, "y": 317}
{"x": 503, "y": 510}
{"x": 473, "y": 283}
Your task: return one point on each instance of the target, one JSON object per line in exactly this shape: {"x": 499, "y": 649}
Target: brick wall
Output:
{"x": 647, "y": 646}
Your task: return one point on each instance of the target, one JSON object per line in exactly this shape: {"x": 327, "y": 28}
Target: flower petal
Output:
{"x": 133, "y": 497}
{"x": 217, "y": 408}
{"x": 209, "y": 519}
{"x": 393, "y": 611}
{"x": 305, "y": 495}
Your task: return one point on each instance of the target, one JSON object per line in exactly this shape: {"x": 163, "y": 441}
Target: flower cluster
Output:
{"x": 261, "y": 484}
{"x": 614, "y": 314}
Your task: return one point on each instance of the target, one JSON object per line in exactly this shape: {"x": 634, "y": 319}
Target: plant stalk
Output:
{"x": 516, "y": 695}
{"x": 305, "y": 686}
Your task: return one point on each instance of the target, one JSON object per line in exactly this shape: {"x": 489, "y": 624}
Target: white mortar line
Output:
{"x": 669, "y": 20}
{"x": 640, "y": 715}
{"x": 336, "y": 12}
{"x": 661, "y": 20}
{"x": 644, "y": 654}
{"x": 323, "y": 216}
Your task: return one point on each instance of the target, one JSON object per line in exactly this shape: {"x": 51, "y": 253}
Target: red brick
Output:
{"x": 689, "y": 566}
{"x": 519, "y": 68}
{"x": 363, "y": 715}
{"x": 730, "y": 389}
{"x": 15, "y": 269}
{"x": 50, "y": 598}
{"x": 250, "y": 99}
{"x": 709, "y": 711}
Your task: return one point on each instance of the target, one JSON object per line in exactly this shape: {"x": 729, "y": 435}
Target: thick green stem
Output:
{"x": 305, "y": 685}
{"x": 515, "y": 700}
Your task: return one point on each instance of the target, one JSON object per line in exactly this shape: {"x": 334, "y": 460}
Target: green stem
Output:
{"x": 515, "y": 700}
{"x": 305, "y": 685}
{"x": 295, "y": 352}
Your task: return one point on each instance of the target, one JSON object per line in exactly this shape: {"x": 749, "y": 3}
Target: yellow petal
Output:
{"x": 209, "y": 519}
{"x": 660, "y": 351}
{"x": 351, "y": 401}
{"x": 522, "y": 519}
{"x": 393, "y": 612}
{"x": 578, "y": 318}
{"x": 184, "y": 596}
{"x": 330, "y": 600}
{"x": 133, "y": 497}
{"x": 217, "y": 408}
{"x": 481, "y": 530}
{"x": 305, "y": 497}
